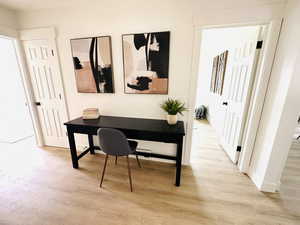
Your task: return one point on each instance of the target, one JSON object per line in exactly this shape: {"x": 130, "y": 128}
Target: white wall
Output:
{"x": 120, "y": 17}
{"x": 116, "y": 18}
{"x": 282, "y": 106}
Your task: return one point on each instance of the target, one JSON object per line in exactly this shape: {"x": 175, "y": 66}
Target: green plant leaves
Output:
{"x": 173, "y": 106}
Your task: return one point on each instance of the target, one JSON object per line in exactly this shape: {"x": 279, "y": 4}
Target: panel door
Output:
{"x": 237, "y": 90}
{"x": 48, "y": 90}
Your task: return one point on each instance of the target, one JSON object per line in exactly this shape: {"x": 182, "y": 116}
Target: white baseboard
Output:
{"x": 255, "y": 180}
{"x": 270, "y": 187}
{"x": 265, "y": 186}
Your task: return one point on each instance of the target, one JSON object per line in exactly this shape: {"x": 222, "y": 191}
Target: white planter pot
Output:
{"x": 172, "y": 119}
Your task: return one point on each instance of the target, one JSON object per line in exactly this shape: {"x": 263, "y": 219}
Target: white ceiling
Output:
{"x": 29, "y": 5}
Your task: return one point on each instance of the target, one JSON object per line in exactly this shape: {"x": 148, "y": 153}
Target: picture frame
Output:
{"x": 93, "y": 64}
{"x": 214, "y": 74}
{"x": 218, "y": 73}
{"x": 222, "y": 63}
{"x": 146, "y": 62}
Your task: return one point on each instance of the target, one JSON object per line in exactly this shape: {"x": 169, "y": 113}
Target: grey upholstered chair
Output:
{"x": 114, "y": 142}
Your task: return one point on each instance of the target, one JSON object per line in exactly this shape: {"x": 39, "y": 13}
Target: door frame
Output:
{"x": 29, "y": 35}
{"x": 13, "y": 35}
{"x": 259, "y": 89}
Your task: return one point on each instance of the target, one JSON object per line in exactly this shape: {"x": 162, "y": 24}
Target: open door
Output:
{"x": 237, "y": 92}
{"x": 48, "y": 91}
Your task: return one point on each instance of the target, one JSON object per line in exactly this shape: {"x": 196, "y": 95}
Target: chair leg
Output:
{"x": 129, "y": 173}
{"x": 116, "y": 161}
{"x": 103, "y": 172}
{"x": 138, "y": 161}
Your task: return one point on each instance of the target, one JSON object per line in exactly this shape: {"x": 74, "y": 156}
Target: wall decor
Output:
{"x": 214, "y": 74}
{"x": 146, "y": 62}
{"x": 221, "y": 72}
{"x": 218, "y": 73}
{"x": 92, "y": 58}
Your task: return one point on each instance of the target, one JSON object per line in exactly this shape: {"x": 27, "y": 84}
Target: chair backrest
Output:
{"x": 113, "y": 142}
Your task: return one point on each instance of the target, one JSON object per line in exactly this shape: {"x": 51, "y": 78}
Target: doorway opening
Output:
{"x": 44, "y": 85}
{"x": 229, "y": 61}
{"x": 16, "y": 121}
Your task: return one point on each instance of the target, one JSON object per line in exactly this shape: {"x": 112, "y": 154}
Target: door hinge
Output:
{"x": 239, "y": 148}
{"x": 52, "y": 52}
{"x": 259, "y": 45}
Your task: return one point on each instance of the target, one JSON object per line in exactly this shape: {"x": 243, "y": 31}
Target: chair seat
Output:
{"x": 114, "y": 142}
{"x": 133, "y": 145}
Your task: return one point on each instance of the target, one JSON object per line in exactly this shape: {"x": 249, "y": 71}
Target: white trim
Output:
{"x": 258, "y": 94}
{"x": 270, "y": 187}
{"x": 269, "y": 54}
{"x": 265, "y": 186}
{"x": 193, "y": 93}
{"x": 29, "y": 93}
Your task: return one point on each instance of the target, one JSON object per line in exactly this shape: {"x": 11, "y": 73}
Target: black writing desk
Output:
{"x": 133, "y": 128}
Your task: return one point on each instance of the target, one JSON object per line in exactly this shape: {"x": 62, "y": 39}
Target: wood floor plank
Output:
{"x": 290, "y": 181}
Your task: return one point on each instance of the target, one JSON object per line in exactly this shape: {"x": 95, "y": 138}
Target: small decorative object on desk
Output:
{"x": 91, "y": 114}
{"x": 173, "y": 107}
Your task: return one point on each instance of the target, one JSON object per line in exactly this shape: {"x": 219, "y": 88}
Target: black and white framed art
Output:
{"x": 92, "y": 58}
{"x": 146, "y": 62}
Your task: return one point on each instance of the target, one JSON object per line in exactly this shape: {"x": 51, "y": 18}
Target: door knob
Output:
{"x": 37, "y": 103}
{"x": 225, "y": 103}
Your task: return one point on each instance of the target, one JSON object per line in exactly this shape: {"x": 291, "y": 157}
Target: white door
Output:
{"x": 237, "y": 90}
{"x": 47, "y": 87}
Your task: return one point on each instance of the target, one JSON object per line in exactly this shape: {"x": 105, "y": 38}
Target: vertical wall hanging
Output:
{"x": 92, "y": 58}
{"x": 214, "y": 74}
{"x": 146, "y": 62}
{"x": 218, "y": 73}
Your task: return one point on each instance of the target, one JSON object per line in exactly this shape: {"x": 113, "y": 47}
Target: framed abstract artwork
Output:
{"x": 221, "y": 72}
{"x": 218, "y": 73}
{"x": 146, "y": 62}
{"x": 214, "y": 74}
{"x": 92, "y": 59}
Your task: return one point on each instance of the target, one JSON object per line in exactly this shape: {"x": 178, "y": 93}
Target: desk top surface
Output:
{"x": 127, "y": 123}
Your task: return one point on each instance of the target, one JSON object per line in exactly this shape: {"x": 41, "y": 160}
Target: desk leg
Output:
{"x": 73, "y": 149}
{"x": 178, "y": 162}
{"x": 91, "y": 143}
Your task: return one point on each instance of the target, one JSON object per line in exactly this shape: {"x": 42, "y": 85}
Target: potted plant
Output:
{"x": 173, "y": 107}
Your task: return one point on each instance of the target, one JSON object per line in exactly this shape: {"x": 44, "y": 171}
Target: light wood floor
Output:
{"x": 290, "y": 181}
{"x": 39, "y": 187}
